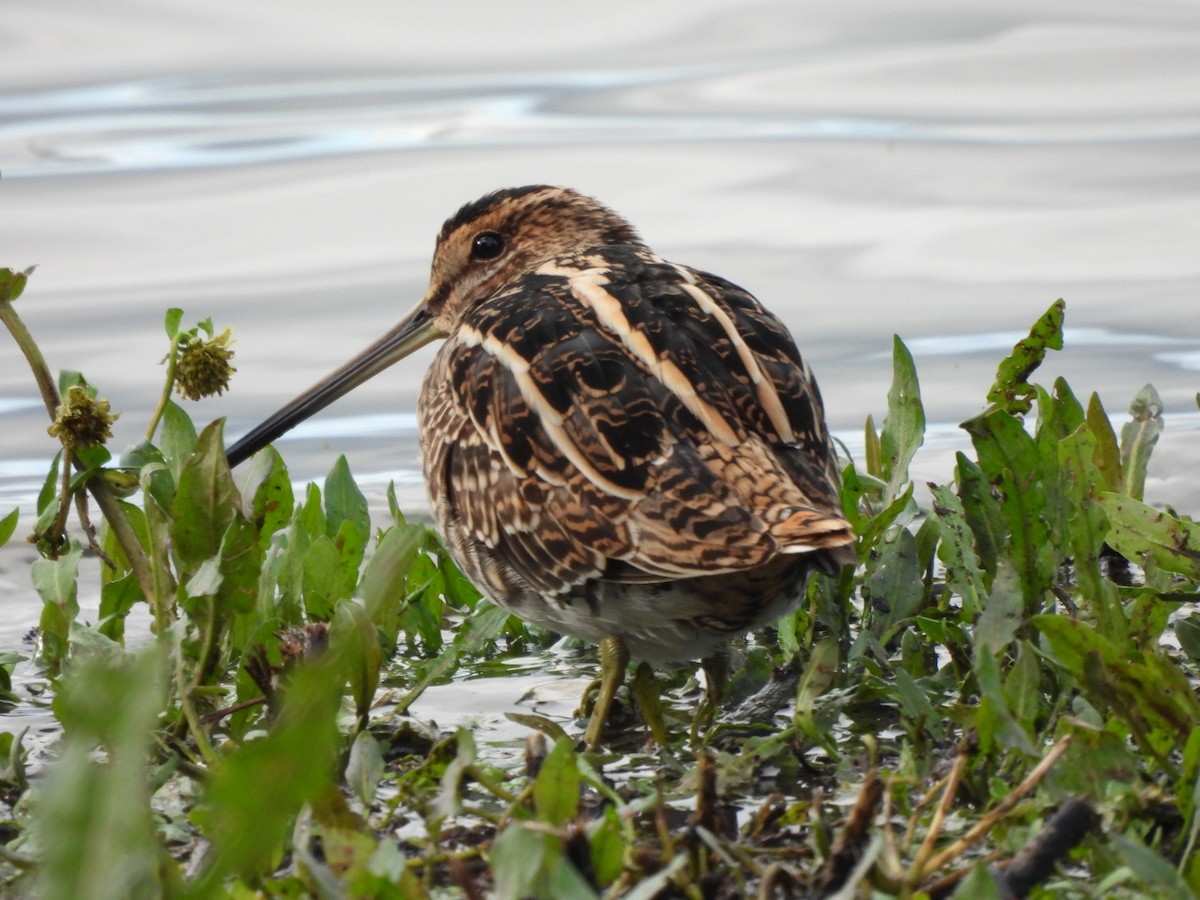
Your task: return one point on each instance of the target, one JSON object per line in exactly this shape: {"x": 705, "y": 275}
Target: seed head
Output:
{"x": 203, "y": 367}
{"x": 82, "y": 420}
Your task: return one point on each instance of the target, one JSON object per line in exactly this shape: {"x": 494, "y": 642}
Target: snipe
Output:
{"x": 616, "y": 447}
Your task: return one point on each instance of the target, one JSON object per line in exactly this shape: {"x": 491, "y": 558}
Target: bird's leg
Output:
{"x": 614, "y": 657}
{"x": 648, "y": 696}
{"x": 716, "y": 680}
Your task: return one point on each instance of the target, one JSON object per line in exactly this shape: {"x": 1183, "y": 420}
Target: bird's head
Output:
{"x": 510, "y": 232}
{"x": 483, "y": 247}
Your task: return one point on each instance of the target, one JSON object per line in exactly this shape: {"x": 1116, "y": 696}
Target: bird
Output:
{"x": 616, "y": 447}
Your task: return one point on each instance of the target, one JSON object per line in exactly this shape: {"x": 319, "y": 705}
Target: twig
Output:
{"x": 920, "y": 866}
{"x": 984, "y": 825}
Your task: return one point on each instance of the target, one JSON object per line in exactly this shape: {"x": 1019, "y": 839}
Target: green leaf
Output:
{"x": 997, "y": 625}
{"x": 608, "y": 847}
{"x": 344, "y": 501}
{"x": 1086, "y": 526}
{"x": 177, "y": 437}
{"x": 12, "y": 284}
{"x": 365, "y": 767}
{"x": 324, "y": 585}
{"x": 266, "y": 482}
{"x": 964, "y": 575}
{"x": 1107, "y": 456}
{"x": 383, "y": 586}
{"x": 205, "y": 500}
{"x": 353, "y": 628}
{"x": 241, "y": 563}
{"x": 56, "y": 582}
{"x": 1141, "y": 532}
{"x": 254, "y": 795}
{"x": 893, "y": 586}
{"x": 1011, "y": 391}
{"x": 117, "y": 598}
{"x": 904, "y": 428}
{"x": 7, "y": 526}
{"x": 49, "y": 493}
{"x": 171, "y": 322}
{"x": 1010, "y": 460}
{"x": 556, "y": 789}
{"x": 1152, "y": 870}
{"x": 483, "y": 625}
{"x": 982, "y": 511}
{"x": 96, "y": 833}
{"x": 1138, "y": 438}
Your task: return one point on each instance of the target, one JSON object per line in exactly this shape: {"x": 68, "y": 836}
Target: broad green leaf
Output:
{"x": 365, "y": 767}
{"x": 96, "y": 828}
{"x": 344, "y": 501}
{"x": 979, "y": 885}
{"x": 1138, "y": 437}
{"x": 177, "y": 437}
{"x": 48, "y": 495}
{"x": 171, "y": 321}
{"x": 556, "y": 788}
{"x": 1107, "y": 454}
{"x": 1009, "y": 459}
{"x": 982, "y": 511}
{"x": 351, "y": 544}
{"x": 893, "y": 587}
{"x": 1011, "y": 391}
{"x": 608, "y": 847}
{"x": 311, "y": 516}
{"x": 383, "y": 586}
{"x": 994, "y": 720}
{"x": 353, "y": 628}
{"x": 7, "y": 526}
{"x": 1141, "y": 532}
{"x": 266, "y": 486}
{"x": 964, "y": 575}
{"x": 12, "y": 283}
{"x": 205, "y": 500}
{"x": 117, "y": 598}
{"x": 324, "y": 585}
{"x": 904, "y": 428}
{"x": 241, "y": 563}
{"x": 483, "y": 625}
{"x": 997, "y": 625}
{"x": 1087, "y": 526}
{"x": 56, "y": 582}
{"x": 253, "y": 797}
{"x": 1156, "y": 874}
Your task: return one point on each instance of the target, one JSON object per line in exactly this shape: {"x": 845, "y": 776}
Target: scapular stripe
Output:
{"x": 552, "y": 420}
{"x": 764, "y": 387}
{"x": 588, "y": 288}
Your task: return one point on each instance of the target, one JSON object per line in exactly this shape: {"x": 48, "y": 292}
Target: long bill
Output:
{"x": 415, "y": 331}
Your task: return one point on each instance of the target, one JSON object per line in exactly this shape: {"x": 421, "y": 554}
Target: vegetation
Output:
{"x": 999, "y": 701}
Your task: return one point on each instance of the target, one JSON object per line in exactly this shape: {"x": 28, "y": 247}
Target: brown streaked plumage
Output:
{"x": 616, "y": 447}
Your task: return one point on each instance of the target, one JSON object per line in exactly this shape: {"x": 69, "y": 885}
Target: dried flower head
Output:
{"x": 81, "y": 420}
{"x": 203, "y": 367}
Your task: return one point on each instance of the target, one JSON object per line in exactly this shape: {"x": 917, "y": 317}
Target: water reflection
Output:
{"x": 199, "y": 123}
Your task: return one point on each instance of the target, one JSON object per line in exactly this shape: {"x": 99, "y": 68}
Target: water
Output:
{"x": 941, "y": 171}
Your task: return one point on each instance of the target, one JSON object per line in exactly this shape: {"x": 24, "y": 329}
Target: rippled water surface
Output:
{"x": 939, "y": 170}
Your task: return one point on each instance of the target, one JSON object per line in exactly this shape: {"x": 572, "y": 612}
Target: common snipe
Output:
{"x": 616, "y": 447}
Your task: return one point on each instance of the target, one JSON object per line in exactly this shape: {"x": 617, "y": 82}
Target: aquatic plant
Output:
{"x": 1000, "y": 698}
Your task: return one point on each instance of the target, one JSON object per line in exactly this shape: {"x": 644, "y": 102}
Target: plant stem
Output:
{"x": 109, "y": 507}
{"x": 41, "y": 372}
{"x": 168, "y": 383}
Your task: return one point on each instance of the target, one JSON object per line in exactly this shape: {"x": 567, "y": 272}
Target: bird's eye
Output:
{"x": 487, "y": 245}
